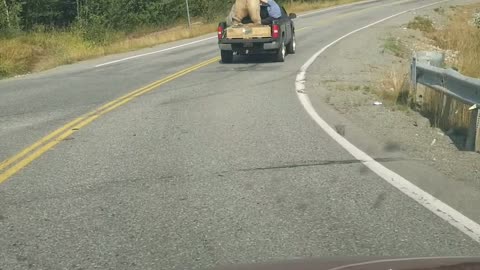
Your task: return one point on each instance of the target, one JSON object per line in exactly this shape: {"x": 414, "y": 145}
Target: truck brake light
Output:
{"x": 275, "y": 31}
{"x": 220, "y": 32}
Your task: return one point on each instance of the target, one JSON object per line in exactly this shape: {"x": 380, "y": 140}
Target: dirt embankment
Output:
{"x": 368, "y": 89}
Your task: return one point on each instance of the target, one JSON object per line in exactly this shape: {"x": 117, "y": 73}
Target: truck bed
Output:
{"x": 248, "y": 31}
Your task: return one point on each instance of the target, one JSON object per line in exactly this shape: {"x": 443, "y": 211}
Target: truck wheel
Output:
{"x": 227, "y": 56}
{"x": 292, "y": 45}
{"x": 280, "y": 56}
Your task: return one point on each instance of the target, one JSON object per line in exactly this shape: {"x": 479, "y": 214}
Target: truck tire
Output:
{"x": 291, "y": 47}
{"x": 280, "y": 55}
{"x": 227, "y": 56}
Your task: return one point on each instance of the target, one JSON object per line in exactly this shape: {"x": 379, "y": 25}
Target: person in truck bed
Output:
{"x": 273, "y": 9}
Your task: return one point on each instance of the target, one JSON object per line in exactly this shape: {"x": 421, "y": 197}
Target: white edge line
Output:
{"x": 205, "y": 39}
{"x": 155, "y": 52}
{"x": 439, "y": 208}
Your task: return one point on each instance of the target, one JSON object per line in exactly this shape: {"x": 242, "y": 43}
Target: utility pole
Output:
{"x": 7, "y": 14}
{"x": 188, "y": 15}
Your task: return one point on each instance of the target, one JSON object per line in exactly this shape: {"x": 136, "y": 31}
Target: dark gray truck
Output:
{"x": 277, "y": 39}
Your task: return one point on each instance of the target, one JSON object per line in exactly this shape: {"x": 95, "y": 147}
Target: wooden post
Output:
{"x": 473, "y": 133}
{"x": 477, "y": 133}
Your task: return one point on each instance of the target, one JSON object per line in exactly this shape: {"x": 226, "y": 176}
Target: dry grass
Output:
{"x": 173, "y": 34}
{"x": 394, "y": 89}
{"x": 15, "y": 58}
{"x": 423, "y": 24}
{"x": 462, "y": 36}
{"x": 43, "y": 50}
{"x": 445, "y": 112}
{"x": 38, "y": 51}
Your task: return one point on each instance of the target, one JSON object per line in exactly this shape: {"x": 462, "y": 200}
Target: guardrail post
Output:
{"x": 473, "y": 134}
{"x": 413, "y": 73}
{"x": 417, "y": 94}
{"x": 435, "y": 59}
{"x": 477, "y": 135}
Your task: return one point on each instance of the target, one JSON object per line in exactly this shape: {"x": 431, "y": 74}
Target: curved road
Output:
{"x": 219, "y": 165}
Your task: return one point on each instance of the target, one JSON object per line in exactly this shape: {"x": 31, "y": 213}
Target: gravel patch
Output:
{"x": 351, "y": 87}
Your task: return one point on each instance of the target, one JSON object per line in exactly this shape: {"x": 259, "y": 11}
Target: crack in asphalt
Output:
{"x": 320, "y": 163}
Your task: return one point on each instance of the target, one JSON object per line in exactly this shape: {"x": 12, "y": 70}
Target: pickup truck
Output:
{"x": 277, "y": 39}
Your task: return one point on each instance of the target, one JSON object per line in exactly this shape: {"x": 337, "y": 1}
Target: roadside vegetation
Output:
{"x": 460, "y": 35}
{"x": 421, "y": 23}
{"x": 38, "y": 35}
{"x": 40, "y": 50}
{"x": 394, "y": 89}
{"x": 440, "y": 10}
{"x": 395, "y": 46}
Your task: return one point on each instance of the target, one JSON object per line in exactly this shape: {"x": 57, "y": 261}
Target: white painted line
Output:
{"x": 439, "y": 208}
{"x": 155, "y": 52}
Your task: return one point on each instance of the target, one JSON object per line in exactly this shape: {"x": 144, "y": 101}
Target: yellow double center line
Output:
{"x": 14, "y": 164}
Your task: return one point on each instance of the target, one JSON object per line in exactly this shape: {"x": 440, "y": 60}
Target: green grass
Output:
{"x": 36, "y": 51}
{"x": 41, "y": 50}
{"x": 395, "y": 46}
{"x": 423, "y": 24}
{"x": 367, "y": 88}
{"x": 439, "y": 10}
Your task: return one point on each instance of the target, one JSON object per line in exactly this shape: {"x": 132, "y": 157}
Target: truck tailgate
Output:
{"x": 249, "y": 31}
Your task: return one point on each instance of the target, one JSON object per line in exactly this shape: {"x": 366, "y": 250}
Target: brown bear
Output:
{"x": 244, "y": 8}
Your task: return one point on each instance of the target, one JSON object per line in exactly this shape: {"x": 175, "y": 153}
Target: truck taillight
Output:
{"x": 220, "y": 32}
{"x": 275, "y": 31}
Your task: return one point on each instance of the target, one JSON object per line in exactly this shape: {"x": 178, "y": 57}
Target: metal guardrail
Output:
{"x": 453, "y": 84}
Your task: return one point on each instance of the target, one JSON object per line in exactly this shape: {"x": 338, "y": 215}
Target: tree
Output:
{"x": 9, "y": 15}
{"x": 49, "y": 13}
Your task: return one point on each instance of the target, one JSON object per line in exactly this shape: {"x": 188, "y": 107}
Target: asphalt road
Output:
{"x": 220, "y": 166}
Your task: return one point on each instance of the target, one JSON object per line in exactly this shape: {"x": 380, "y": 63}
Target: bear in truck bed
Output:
{"x": 243, "y": 9}
{"x": 230, "y": 18}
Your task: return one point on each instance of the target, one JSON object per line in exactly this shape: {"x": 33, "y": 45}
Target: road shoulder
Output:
{"x": 340, "y": 85}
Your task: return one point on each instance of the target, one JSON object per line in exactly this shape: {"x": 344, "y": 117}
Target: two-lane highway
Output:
{"x": 219, "y": 165}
